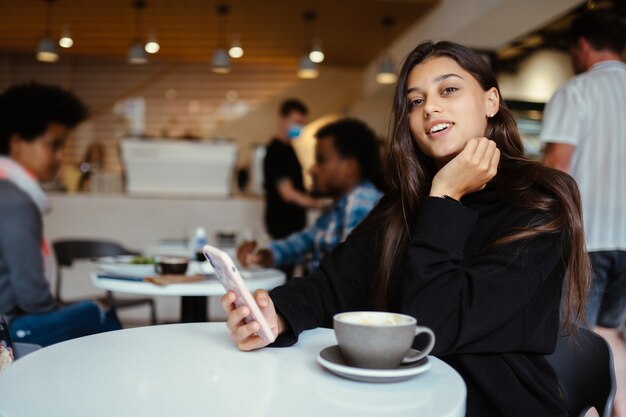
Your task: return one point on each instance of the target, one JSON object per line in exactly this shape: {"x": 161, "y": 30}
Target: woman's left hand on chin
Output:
{"x": 469, "y": 171}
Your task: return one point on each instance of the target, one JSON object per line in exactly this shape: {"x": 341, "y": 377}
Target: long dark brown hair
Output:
{"x": 409, "y": 173}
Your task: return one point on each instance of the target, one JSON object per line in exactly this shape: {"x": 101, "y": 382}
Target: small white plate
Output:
{"x": 331, "y": 359}
{"x": 121, "y": 265}
{"x": 200, "y": 268}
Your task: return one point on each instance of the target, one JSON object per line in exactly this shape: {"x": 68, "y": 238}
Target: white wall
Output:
{"x": 538, "y": 77}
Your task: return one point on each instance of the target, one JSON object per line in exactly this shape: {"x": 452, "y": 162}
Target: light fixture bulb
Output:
{"x": 307, "y": 68}
{"x": 47, "y": 51}
{"x": 316, "y": 55}
{"x": 66, "y": 40}
{"x": 152, "y": 46}
{"x": 221, "y": 62}
{"x": 386, "y": 72}
{"x": 137, "y": 54}
{"x": 235, "y": 51}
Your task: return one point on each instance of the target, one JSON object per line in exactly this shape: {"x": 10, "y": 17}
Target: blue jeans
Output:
{"x": 64, "y": 323}
{"x": 606, "y": 303}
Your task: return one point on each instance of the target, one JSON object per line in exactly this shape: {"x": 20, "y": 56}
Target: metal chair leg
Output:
{"x": 153, "y": 317}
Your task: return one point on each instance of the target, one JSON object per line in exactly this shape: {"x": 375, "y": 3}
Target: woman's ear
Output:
{"x": 492, "y": 101}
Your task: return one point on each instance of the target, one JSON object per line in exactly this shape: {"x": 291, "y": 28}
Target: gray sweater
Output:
{"x": 23, "y": 285}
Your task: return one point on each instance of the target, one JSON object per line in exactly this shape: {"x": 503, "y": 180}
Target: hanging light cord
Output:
{"x": 49, "y": 17}
{"x": 139, "y": 5}
{"x": 309, "y": 18}
{"x": 387, "y": 22}
{"x": 222, "y": 24}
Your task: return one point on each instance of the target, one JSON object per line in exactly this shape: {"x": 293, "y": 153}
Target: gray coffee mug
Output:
{"x": 379, "y": 340}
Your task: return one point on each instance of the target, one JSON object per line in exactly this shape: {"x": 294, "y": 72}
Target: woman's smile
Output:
{"x": 438, "y": 128}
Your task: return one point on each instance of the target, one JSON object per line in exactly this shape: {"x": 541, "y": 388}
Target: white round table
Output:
{"x": 196, "y": 370}
{"x": 255, "y": 278}
{"x": 193, "y": 305}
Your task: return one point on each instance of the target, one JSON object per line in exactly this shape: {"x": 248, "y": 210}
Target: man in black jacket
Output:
{"x": 285, "y": 198}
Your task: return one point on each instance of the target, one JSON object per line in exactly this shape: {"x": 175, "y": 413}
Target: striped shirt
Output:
{"x": 589, "y": 112}
{"x": 330, "y": 229}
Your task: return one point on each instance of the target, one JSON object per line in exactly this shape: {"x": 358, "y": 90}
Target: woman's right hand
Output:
{"x": 244, "y": 334}
{"x": 469, "y": 171}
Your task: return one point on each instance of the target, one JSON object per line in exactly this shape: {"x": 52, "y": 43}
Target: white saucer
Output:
{"x": 331, "y": 359}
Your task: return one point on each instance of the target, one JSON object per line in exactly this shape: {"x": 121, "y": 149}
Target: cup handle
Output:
{"x": 425, "y": 351}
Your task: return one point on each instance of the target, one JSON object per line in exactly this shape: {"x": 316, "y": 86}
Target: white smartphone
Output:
{"x": 231, "y": 279}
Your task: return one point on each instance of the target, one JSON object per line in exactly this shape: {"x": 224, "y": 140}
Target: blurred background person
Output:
{"x": 90, "y": 167}
{"x": 285, "y": 196}
{"x": 584, "y": 130}
{"x": 35, "y": 121}
{"x": 286, "y": 200}
{"x": 347, "y": 169}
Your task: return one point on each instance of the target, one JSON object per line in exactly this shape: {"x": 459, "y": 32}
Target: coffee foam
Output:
{"x": 374, "y": 319}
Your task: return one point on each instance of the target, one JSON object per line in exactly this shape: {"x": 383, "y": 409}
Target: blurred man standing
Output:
{"x": 584, "y": 131}
{"x": 285, "y": 197}
{"x": 347, "y": 169}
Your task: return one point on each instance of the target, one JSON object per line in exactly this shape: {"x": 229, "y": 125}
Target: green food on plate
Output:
{"x": 142, "y": 260}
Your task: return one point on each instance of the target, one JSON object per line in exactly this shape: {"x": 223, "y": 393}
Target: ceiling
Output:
{"x": 553, "y": 35}
{"x": 271, "y": 31}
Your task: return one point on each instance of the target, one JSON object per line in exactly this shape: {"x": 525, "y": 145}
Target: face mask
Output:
{"x": 294, "y": 131}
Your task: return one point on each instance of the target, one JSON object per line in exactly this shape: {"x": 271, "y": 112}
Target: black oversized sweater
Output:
{"x": 494, "y": 310}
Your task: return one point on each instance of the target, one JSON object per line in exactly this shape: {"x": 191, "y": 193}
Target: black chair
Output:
{"x": 584, "y": 365}
{"x": 19, "y": 349}
{"x": 22, "y": 349}
{"x": 67, "y": 251}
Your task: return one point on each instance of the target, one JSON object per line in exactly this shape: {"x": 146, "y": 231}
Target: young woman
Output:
{"x": 473, "y": 240}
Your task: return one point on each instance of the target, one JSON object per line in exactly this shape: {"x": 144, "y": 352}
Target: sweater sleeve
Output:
{"x": 20, "y": 248}
{"x": 472, "y": 304}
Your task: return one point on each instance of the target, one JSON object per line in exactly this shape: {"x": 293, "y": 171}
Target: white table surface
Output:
{"x": 195, "y": 369}
{"x": 255, "y": 278}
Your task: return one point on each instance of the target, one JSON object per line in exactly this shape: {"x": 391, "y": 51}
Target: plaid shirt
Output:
{"x": 330, "y": 229}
